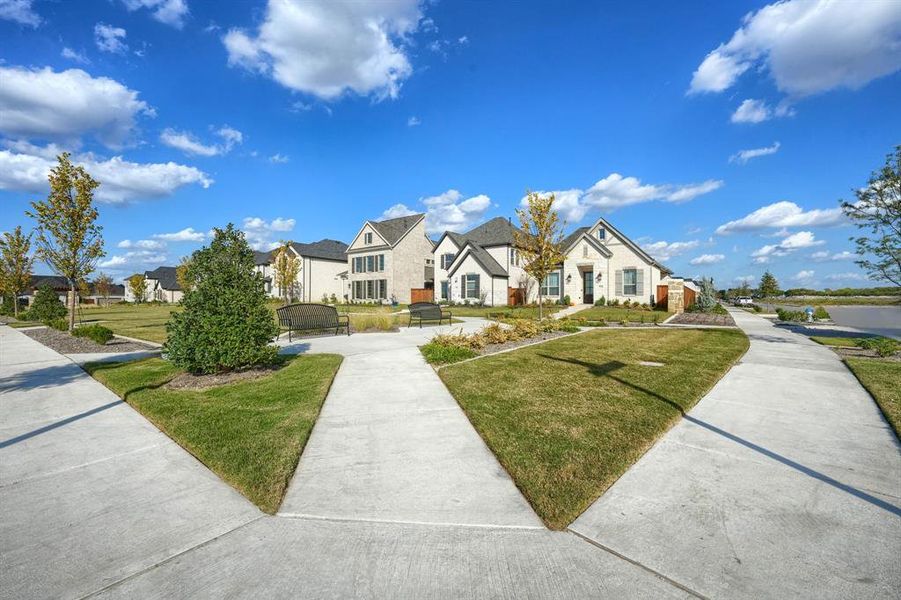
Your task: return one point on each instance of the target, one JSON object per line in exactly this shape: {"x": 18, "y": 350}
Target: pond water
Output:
{"x": 881, "y": 320}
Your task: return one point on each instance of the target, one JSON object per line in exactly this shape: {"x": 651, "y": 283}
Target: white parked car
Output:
{"x": 743, "y": 301}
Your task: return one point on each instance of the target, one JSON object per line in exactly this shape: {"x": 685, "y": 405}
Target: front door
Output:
{"x": 588, "y": 287}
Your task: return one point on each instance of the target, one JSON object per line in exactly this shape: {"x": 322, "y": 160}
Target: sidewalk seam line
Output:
{"x": 665, "y": 578}
{"x": 309, "y": 517}
{"x": 169, "y": 558}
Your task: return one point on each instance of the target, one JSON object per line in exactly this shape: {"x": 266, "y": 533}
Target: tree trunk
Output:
{"x": 540, "y": 303}
{"x": 16, "y": 305}
{"x": 72, "y": 308}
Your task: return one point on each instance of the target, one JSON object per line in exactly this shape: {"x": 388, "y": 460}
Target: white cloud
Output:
{"x": 783, "y": 214}
{"x": 743, "y": 156}
{"x": 664, "y": 250}
{"x": 446, "y": 212}
{"x": 757, "y": 111}
{"x": 825, "y": 255}
{"x": 327, "y": 47}
{"x": 708, "y": 259}
{"x": 189, "y": 144}
{"x": 413, "y": 121}
{"x": 808, "y": 47}
{"x": 110, "y": 39}
{"x": 261, "y": 235}
{"x": 300, "y": 106}
{"x": 133, "y": 260}
{"x": 73, "y": 55}
{"x": 141, "y": 245}
{"x": 170, "y": 12}
{"x": 803, "y": 276}
{"x": 846, "y": 277}
{"x": 120, "y": 180}
{"x": 463, "y": 40}
{"x": 744, "y": 279}
{"x": 279, "y": 159}
{"x": 187, "y": 234}
{"x": 19, "y": 11}
{"x": 64, "y": 105}
{"x": 796, "y": 241}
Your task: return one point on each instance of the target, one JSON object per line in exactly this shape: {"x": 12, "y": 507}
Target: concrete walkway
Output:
{"x": 570, "y": 310}
{"x": 784, "y": 481}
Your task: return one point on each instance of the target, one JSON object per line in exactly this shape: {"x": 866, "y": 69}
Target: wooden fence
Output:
{"x": 422, "y": 295}
{"x": 515, "y": 296}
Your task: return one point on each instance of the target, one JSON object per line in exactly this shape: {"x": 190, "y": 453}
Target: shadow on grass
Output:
{"x": 607, "y": 369}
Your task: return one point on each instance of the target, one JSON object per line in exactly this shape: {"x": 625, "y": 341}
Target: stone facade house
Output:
{"x": 388, "y": 259}
{"x": 160, "y": 285}
{"x": 484, "y": 266}
{"x": 323, "y": 271}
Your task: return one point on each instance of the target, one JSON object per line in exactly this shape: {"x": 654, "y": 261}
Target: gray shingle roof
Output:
{"x": 324, "y": 249}
{"x": 496, "y": 232}
{"x": 394, "y": 229}
{"x": 487, "y": 261}
{"x": 571, "y": 238}
{"x": 166, "y": 277}
{"x": 57, "y": 282}
{"x": 260, "y": 258}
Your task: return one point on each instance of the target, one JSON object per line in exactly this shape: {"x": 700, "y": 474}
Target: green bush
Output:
{"x": 820, "y": 313}
{"x": 566, "y": 300}
{"x": 58, "y": 324}
{"x": 440, "y": 354}
{"x": 791, "y": 315}
{"x": 226, "y": 323}
{"x": 97, "y": 333}
{"x": 881, "y": 345}
{"x": 46, "y": 306}
{"x": 600, "y": 301}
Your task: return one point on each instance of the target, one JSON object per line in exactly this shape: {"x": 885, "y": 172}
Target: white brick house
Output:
{"x": 323, "y": 271}
{"x": 483, "y": 266}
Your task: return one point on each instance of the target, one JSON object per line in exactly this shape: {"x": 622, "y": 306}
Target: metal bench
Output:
{"x": 428, "y": 311}
{"x": 311, "y": 317}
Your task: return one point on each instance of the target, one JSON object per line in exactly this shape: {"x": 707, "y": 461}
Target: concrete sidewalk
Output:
{"x": 90, "y": 492}
{"x": 784, "y": 481}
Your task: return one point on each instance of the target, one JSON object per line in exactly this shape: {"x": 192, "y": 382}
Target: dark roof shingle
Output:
{"x": 394, "y": 229}
{"x": 324, "y": 249}
{"x": 166, "y": 277}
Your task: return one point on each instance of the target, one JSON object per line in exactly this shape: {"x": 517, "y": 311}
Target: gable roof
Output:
{"x": 496, "y": 232}
{"x": 165, "y": 276}
{"x": 635, "y": 247}
{"x": 261, "y": 258}
{"x": 570, "y": 241}
{"x": 481, "y": 256}
{"x": 325, "y": 249}
{"x": 57, "y": 282}
{"x": 392, "y": 230}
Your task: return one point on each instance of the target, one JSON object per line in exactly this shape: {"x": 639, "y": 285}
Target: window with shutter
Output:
{"x": 619, "y": 282}
{"x": 381, "y": 262}
{"x": 630, "y": 282}
{"x": 639, "y": 283}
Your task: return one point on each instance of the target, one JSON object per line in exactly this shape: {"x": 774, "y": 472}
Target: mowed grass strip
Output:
{"x": 141, "y": 321}
{"x": 837, "y": 341}
{"x": 615, "y": 314}
{"x": 249, "y": 433}
{"x": 882, "y": 378}
{"x": 566, "y": 418}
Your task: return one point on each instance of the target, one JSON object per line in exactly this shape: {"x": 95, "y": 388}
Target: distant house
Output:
{"x": 116, "y": 294}
{"x": 59, "y": 284}
{"x": 161, "y": 285}
{"x": 484, "y": 265}
{"x": 388, "y": 259}
{"x": 323, "y": 270}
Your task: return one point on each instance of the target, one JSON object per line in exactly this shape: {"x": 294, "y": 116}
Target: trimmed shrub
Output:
{"x": 58, "y": 324}
{"x": 46, "y": 306}
{"x": 600, "y": 301}
{"x": 566, "y": 300}
{"x": 882, "y": 346}
{"x": 820, "y": 313}
{"x": 226, "y": 323}
{"x": 439, "y": 354}
{"x": 791, "y": 315}
{"x": 97, "y": 333}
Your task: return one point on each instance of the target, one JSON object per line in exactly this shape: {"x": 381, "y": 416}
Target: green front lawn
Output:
{"x": 141, "y": 321}
{"x": 617, "y": 314}
{"x": 567, "y": 417}
{"x": 249, "y": 433}
{"x": 509, "y": 312}
{"x": 837, "y": 341}
{"x": 882, "y": 378}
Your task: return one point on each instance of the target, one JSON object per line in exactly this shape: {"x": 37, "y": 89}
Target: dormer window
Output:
{"x": 601, "y": 233}
{"x": 367, "y": 238}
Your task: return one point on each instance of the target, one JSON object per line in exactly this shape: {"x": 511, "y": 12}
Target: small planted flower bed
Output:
{"x": 504, "y": 335}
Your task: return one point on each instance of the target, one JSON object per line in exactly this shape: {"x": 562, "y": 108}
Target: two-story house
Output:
{"x": 484, "y": 265}
{"x": 387, "y": 259}
{"x": 323, "y": 271}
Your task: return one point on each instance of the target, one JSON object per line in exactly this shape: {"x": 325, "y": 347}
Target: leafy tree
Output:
{"x": 84, "y": 289}
{"x": 286, "y": 268}
{"x": 182, "y": 274}
{"x": 878, "y": 209}
{"x": 137, "y": 285}
{"x": 15, "y": 265}
{"x": 225, "y": 324}
{"x": 46, "y": 305}
{"x": 69, "y": 240}
{"x": 103, "y": 284}
{"x": 768, "y": 285}
{"x": 540, "y": 239}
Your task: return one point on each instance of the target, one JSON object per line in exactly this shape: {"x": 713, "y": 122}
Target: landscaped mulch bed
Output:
{"x": 703, "y": 319}
{"x": 69, "y": 344}
{"x": 541, "y": 337}
{"x": 864, "y": 353}
{"x": 188, "y": 381}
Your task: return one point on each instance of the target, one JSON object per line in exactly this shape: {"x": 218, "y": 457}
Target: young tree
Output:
{"x": 707, "y": 297}
{"x": 878, "y": 209}
{"x": 226, "y": 323}
{"x": 46, "y": 306}
{"x": 768, "y": 285}
{"x": 540, "y": 240}
{"x": 286, "y": 268}
{"x": 84, "y": 289}
{"x": 15, "y": 265}
{"x": 182, "y": 274}
{"x": 69, "y": 240}
{"x": 137, "y": 286}
{"x": 103, "y": 284}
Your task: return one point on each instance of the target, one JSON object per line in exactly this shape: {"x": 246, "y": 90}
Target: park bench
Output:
{"x": 428, "y": 311}
{"x": 311, "y": 317}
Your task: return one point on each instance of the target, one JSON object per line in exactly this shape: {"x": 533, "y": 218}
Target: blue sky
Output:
{"x": 300, "y": 120}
